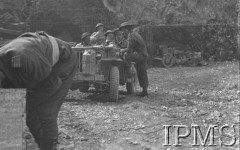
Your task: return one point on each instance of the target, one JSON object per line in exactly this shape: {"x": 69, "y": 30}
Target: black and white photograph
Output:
{"x": 119, "y": 74}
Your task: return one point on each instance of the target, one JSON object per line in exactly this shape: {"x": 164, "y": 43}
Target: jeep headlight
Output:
{"x": 98, "y": 56}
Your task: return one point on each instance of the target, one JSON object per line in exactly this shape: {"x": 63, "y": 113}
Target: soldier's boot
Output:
{"x": 144, "y": 93}
{"x": 36, "y": 136}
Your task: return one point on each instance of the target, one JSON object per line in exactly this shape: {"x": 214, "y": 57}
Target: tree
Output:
{"x": 175, "y": 12}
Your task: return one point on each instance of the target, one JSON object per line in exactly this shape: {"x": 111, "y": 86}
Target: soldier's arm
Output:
{"x": 130, "y": 44}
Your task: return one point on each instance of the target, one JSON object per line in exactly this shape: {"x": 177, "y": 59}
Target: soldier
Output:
{"x": 109, "y": 38}
{"x": 98, "y": 37}
{"x": 85, "y": 40}
{"x": 45, "y": 66}
{"x": 136, "y": 51}
{"x": 120, "y": 41}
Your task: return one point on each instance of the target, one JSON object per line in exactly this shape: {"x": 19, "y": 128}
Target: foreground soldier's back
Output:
{"x": 45, "y": 66}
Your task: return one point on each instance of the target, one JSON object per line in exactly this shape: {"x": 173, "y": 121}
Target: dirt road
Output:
{"x": 187, "y": 96}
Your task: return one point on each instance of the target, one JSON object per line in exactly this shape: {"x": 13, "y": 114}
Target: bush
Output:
{"x": 53, "y": 23}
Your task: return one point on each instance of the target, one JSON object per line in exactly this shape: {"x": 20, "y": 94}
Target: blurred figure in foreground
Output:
{"x": 45, "y": 66}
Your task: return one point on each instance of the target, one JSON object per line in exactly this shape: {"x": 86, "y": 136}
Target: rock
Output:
{"x": 202, "y": 112}
{"x": 183, "y": 100}
{"x": 238, "y": 92}
{"x": 215, "y": 115}
{"x": 67, "y": 147}
{"x": 134, "y": 143}
{"x": 127, "y": 138}
{"x": 68, "y": 137}
{"x": 164, "y": 107}
{"x": 195, "y": 110}
{"x": 84, "y": 139}
{"x": 236, "y": 120}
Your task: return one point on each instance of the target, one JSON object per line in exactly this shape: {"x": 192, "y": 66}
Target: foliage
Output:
{"x": 52, "y": 22}
{"x": 78, "y": 16}
{"x": 180, "y": 11}
{"x": 217, "y": 41}
{"x": 205, "y": 26}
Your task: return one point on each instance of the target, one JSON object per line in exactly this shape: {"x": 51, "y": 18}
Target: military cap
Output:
{"x": 99, "y": 24}
{"x": 116, "y": 30}
{"x": 84, "y": 35}
{"x": 108, "y": 32}
{"x": 128, "y": 24}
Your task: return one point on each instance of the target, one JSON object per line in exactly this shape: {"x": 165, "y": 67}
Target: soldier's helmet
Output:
{"x": 84, "y": 35}
{"x": 116, "y": 30}
{"x": 108, "y": 32}
{"x": 99, "y": 25}
{"x": 130, "y": 23}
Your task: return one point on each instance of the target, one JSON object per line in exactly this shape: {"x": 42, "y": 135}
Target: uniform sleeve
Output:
{"x": 130, "y": 43}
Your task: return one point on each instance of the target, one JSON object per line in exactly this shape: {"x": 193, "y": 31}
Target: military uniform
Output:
{"x": 98, "y": 37}
{"x": 109, "y": 40}
{"x": 119, "y": 40}
{"x": 122, "y": 43}
{"x": 137, "y": 52}
{"x": 45, "y": 66}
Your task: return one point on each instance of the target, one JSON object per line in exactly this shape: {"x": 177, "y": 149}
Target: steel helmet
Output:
{"x": 128, "y": 24}
{"x": 108, "y": 32}
{"x": 99, "y": 24}
{"x": 116, "y": 30}
{"x": 84, "y": 35}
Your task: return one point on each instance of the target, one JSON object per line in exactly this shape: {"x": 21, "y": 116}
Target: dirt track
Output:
{"x": 178, "y": 96}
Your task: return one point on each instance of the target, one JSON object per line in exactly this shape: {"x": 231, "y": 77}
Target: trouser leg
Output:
{"x": 127, "y": 64}
{"x": 142, "y": 75}
{"x": 49, "y": 116}
{"x": 33, "y": 123}
{"x": 42, "y": 122}
{"x": 42, "y": 114}
{"x": 48, "y": 110}
{"x": 141, "y": 67}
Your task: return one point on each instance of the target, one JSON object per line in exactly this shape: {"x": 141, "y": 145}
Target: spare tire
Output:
{"x": 168, "y": 60}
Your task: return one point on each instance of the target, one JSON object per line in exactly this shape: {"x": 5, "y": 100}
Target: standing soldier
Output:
{"x": 136, "y": 51}
{"x": 98, "y": 37}
{"x": 45, "y": 66}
